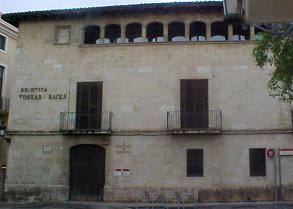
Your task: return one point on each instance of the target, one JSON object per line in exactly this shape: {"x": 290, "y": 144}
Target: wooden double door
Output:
{"x": 87, "y": 173}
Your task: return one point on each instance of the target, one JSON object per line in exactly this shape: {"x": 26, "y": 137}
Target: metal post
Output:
{"x": 147, "y": 194}
{"x": 3, "y": 183}
{"x": 167, "y": 203}
{"x": 280, "y": 176}
{"x": 275, "y": 177}
{"x": 178, "y": 199}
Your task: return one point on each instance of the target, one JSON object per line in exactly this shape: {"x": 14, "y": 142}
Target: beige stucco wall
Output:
{"x": 7, "y": 57}
{"x": 140, "y": 83}
{"x": 154, "y": 162}
{"x": 268, "y": 11}
{"x": 142, "y": 78}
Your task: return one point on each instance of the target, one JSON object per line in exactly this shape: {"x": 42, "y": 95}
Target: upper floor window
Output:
{"x": 219, "y": 31}
{"x": 91, "y": 34}
{"x": 176, "y": 31}
{"x": 2, "y": 42}
{"x": 241, "y": 33}
{"x": 154, "y": 32}
{"x": 197, "y": 31}
{"x": 1, "y": 79}
{"x": 133, "y": 32}
{"x": 194, "y": 103}
{"x": 89, "y": 105}
{"x": 112, "y": 33}
{"x": 63, "y": 34}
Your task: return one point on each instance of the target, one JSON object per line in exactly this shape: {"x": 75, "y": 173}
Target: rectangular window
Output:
{"x": 1, "y": 79}
{"x": 2, "y": 42}
{"x": 257, "y": 162}
{"x": 89, "y": 106}
{"x": 63, "y": 34}
{"x": 194, "y": 104}
{"x": 194, "y": 162}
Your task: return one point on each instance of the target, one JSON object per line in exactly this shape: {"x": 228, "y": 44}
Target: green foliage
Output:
{"x": 277, "y": 51}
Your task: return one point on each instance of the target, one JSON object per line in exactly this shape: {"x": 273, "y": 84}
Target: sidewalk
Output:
{"x": 101, "y": 205}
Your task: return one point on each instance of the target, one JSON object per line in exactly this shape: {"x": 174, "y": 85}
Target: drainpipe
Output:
{"x": 292, "y": 119}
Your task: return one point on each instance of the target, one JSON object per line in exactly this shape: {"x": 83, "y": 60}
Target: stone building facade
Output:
{"x": 150, "y": 102}
{"x": 8, "y": 37}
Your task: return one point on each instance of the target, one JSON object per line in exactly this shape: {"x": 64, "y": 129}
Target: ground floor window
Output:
{"x": 257, "y": 162}
{"x": 194, "y": 162}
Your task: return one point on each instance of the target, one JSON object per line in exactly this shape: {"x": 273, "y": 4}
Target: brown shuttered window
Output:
{"x": 89, "y": 105}
{"x": 194, "y": 103}
{"x": 2, "y": 42}
{"x": 257, "y": 162}
{"x": 194, "y": 162}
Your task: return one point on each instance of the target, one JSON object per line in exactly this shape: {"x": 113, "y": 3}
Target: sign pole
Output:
{"x": 275, "y": 178}
{"x": 280, "y": 176}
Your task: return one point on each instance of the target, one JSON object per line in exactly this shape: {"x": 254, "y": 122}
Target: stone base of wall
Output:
{"x": 156, "y": 195}
{"x": 184, "y": 195}
{"x": 35, "y": 193}
{"x": 30, "y": 193}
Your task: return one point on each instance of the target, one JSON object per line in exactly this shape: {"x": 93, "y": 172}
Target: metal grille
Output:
{"x": 72, "y": 121}
{"x": 257, "y": 162}
{"x": 210, "y": 120}
{"x": 195, "y": 162}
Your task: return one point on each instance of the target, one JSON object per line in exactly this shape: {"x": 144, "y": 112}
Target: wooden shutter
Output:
{"x": 194, "y": 103}
{"x": 257, "y": 162}
{"x": 1, "y": 81}
{"x": 195, "y": 162}
{"x": 89, "y": 105}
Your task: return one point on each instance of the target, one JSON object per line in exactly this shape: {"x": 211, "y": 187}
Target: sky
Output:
{"x": 9, "y": 6}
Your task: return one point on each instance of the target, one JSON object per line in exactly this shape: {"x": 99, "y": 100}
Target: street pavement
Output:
{"x": 99, "y": 205}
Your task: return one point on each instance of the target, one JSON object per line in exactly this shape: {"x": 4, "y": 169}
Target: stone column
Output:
{"x": 165, "y": 32}
{"x": 208, "y": 31}
{"x": 230, "y": 32}
{"x": 252, "y": 33}
{"x": 102, "y": 34}
{"x": 187, "y": 31}
{"x": 143, "y": 32}
{"x": 122, "y": 37}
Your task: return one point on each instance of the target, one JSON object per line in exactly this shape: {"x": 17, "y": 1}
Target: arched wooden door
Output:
{"x": 87, "y": 173}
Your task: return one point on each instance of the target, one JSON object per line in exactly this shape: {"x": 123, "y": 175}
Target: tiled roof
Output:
{"x": 15, "y": 18}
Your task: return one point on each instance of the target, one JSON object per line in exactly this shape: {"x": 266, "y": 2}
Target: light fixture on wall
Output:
{"x": 233, "y": 11}
{"x": 3, "y": 134}
{"x": 2, "y": 129}
{"x": 234, "y": 14}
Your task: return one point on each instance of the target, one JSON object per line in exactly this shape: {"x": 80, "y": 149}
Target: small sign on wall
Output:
{"x": 122, "y": 172}
{"x": 286, "y": 152}
{"x": 117, "y": 172}
{"x": 125, "y": 172}
{"x": 47, "y": 149}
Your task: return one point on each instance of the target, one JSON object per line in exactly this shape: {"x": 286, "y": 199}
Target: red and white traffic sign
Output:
{"x": 286, "y": 152}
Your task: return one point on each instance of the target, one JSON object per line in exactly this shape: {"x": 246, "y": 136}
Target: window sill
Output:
{"x": 3, "y": 51}
{"x": 62, "y": 43}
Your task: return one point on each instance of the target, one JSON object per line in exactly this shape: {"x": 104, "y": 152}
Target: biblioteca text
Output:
{"x": 38, "y": 94}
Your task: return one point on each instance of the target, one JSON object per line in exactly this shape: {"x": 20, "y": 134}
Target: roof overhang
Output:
{"x": 160, "y": 8}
